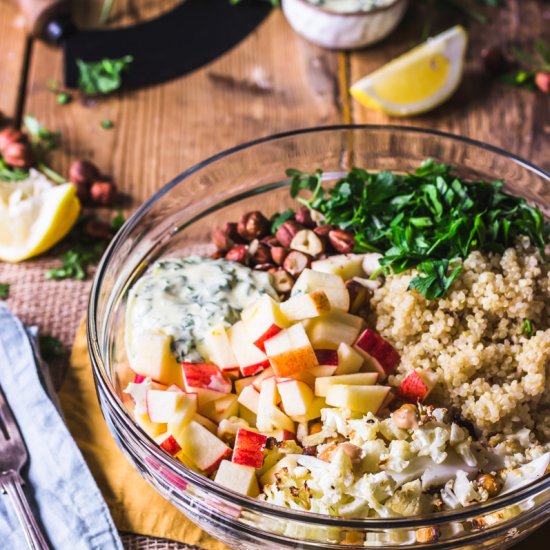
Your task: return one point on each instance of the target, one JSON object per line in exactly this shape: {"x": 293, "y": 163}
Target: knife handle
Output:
{"x": 39, "y": 13}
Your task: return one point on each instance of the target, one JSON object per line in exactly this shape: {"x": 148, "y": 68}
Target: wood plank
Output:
{"x": 515, "y": 119}
{"x": 250, "y": 92}
{"x": 13, "y": 46}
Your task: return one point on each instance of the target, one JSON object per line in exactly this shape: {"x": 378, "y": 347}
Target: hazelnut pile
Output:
{"x": 297, "y": 242}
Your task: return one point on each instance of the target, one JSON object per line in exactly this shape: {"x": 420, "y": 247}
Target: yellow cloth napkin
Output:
{"x": 134, "y": 505}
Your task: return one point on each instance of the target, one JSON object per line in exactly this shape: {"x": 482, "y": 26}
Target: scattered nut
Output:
{"x": 296, "y": 262}
{"x": 342, "y": 241}
{"x": 315, "y": 428}
{"x": 264, "y": 267}
{"x": 216, "y": 255}
{"x": 307, "y": 242}
{"x": 282, "y": 281}
{"x": 253, "y": 225}
{"x": 11, "y": 135}
{"x": 405, "y": 417}
{"x": 285, "y": 233}
{"x": 494, "y": 61}
{"x": 371, "y": 263}
{"x": 490, "y": 483}
{"x": 542, "y": 80}
{"x": 303, "y": 216}
{"x": 359, "y": 296}
{"x": 323, "y": 230}
{"x": 278, "y": 254}
{"x": 428, "y": 534}
{"x": 261, "y": 255}
{"x": 98, "y": 230}
{"x": 353, "y": 451}
{"x": 270, "y": 241}
{"x": 83, "y": 172}
{"x": 239, "y": 253}
{"x": 103, "y": 193}
{"x": 328, "y": 452}
{"x": 226, "y": 236}
{"x": 18, "y": 154}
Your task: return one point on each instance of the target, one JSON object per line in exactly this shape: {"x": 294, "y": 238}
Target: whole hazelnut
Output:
{"x": 282, "y": 281}
{"x": 342, "y": 241}
{"x": 308, "y": 242}
{"x": 270, "y": 241}
{"x": 285, "y": 233}
{"x": 103, "y": 193}
{"x": 83, "y": 171}
{"x": 264, "y": 267}
{"x": 239, "y": 254}
{"x": 542, "y": 80}
{"x": 490, "y": 483}
{"x": 494, "y": 61}
{"x": 253, "y": 225}
{"x": 19, "y": 155}
{"x": 303, "y": 216}
{"x": 296, "y": 262}
{"x": 98, "y": 230}
{"x": 323, "y": 230}
{"x": 261, "y": 255}
{"x": 359, "y": 296}
{"x": 405, "y": 417}
{"x": 11, "y": 135}
{"x": 278, "y": 254}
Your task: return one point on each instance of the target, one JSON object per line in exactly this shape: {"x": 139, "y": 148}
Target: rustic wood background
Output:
{"x": 273, "y": 81}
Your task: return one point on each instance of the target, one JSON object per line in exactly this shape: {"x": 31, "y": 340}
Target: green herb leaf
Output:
{"x": 50, "y": 347}
{"x": 102, "y": 77}
{"x": 43, "y": 139}
{"x": 118, "y": 221}
{"x": 4, "y": 291}
{"x": 10, "y": 174}
{"x": 435, "y": 281}
{"x": 63, "y": 98}
{"x": 527, "y": 328}
{"x": 76, "y": 262}
{"x": 106, "y": 124}
{"x": 278, "y": 219}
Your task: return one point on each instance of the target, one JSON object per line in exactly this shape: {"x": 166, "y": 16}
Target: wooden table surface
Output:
{"x": 272, "y": 81}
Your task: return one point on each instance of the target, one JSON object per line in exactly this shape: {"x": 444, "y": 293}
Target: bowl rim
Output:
{"x": 104, "y": 384}
{"x": 355, "y": 13}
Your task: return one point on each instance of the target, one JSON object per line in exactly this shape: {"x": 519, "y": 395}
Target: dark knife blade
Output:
{"x": 180, "y": 41}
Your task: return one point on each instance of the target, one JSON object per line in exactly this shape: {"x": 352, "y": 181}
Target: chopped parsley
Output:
{"x": 102, "y": 77}
{"x": 50, "y": 347}
{"x": 278, "y": 219}
{"x": 4, "y": 291}
{"x": 106, "y": 124}
{"x": 63, "y": 98}
{"x": 527, "y": 328}
{"x": 10, "y": 174}
{"x": 428, "y": 219}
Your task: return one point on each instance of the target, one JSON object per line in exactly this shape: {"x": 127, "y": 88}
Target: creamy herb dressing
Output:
{"x": 348, "y": 6}
{"x": 184, "y": 297}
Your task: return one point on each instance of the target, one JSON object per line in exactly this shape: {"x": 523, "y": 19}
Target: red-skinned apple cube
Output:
{"x": 249, "y": 398}
{"x": 378, "y": 351}
{"x": 249, "y": 448}
{"x": 327, "y": 356}
{"x": 306, "y": 306}
{"x": 203, "y": 448}
{"x": 332, "y": 285}
{"x": 164, "y": 406}
{"x": 290, "y": 352}
{"x": 415, "y": 387}
{"x": 263, "y": 320}
{"x": 206, "y": 376}
{"x": 350, "y": 360}
{"x": 169, "y": 444}
{"x": 217, "y": 349}
{"x": 238, "y": 477}
{"x": 296, "y": 396}
{"x": 250, "y": 358}
{"x": 259, "y": 379}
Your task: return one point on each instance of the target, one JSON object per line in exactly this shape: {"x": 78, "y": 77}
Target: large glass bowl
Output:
{"x": 178, "y": 220}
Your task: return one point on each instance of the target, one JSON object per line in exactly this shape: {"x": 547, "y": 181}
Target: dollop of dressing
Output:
{"x": 348, "y": 6}
{"x": 184, "y": 297}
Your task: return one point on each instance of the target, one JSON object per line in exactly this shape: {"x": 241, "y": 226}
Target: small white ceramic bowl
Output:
{"x": 343, "y": 30}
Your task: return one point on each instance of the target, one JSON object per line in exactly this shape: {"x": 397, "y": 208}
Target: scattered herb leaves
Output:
{"x": 11, "y": 174}
{"x": 106, "y": 124}
{"x": 4, "y": 290}
{"x": 279, "y": 218}
{"x": 424, "y": 220}
{"x": 63, "y": 98}
{"x": 527, "y": 328}
{"x": 539, "y": 62}
{"x": 102, "y": 77}
{"x": 50, "y": 347}
{"x": 42, "y": 138}
{"x": 118, "y": 221}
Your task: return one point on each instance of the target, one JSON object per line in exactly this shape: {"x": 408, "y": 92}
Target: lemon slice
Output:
{"x": 34, "y": 215}
{"x": 418, "y": 80}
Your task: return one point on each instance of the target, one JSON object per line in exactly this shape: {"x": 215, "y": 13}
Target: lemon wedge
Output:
{"x": 34, "y": 215}
{"x": 418, "y": 80}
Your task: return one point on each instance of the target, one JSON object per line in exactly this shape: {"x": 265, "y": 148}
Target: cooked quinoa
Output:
{"x": 474, "y": 339}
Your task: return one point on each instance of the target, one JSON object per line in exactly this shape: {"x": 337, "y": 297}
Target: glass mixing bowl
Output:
{"x": 178, "y": 221}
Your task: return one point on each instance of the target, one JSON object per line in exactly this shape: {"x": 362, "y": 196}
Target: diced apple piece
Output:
{"x": 313, "y": 411}
{"x": 416, "y": 386}
{"x": 251, "y": 359}
{"x": 321, "y": 370}
{"x": 217, "y": 349}
{"x": 358, "y": 379}
{"x": 345, "y": 266}
{"x": 152, "y": 429}
{"x": 290, "y": 352}
{"x": 296, "y": 396}
{"x": 242, "y": 383}
{"x": 206, "y": 422}
{"x": 168, "y": 443}
{"x": 222, "y": 408}
{"x": 170, "y": 406}
{"x": 249, "y": 398}
{"x": 247, "y": 415}
{"x": 327, "y": 356}
{"x": 249, "y": 448}
{"x": 202, "y": 447}
{"x": 288, "y": 461}
{"x": 350, "y": 361}
{"x": 362, "y": 399}
{"x": 263, "y": 320}
{"x": 306, "y": 306}
{"x": 238, "y": 478}
{"x": 205, "y": 376}
{"x": 259, "y": 379}
{"x": 379, "y": 352}
{"x": 153, "y": 358}
{"x": 329, "y": 331}
{"x": 332, "y": 285}
{"x": 281, "y": 435}
{"x": 272, "y": 418}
